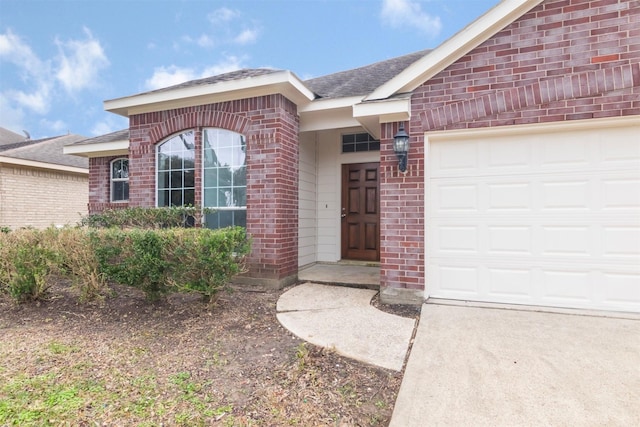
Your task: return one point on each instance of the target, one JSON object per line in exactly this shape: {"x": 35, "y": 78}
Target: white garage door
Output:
{"x": 536, "y": 215}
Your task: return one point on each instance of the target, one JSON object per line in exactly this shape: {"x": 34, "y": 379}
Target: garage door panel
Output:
{"x": 509, "y": 240}
{"x": 621, "y": 241}
{"x": 545, "y": 219}
{"x": 567, "y": 240}
{"x": 511, "y": 283}
{"x": 621, "y": 194}
{"x": 509, "y": 196}
{"x": 571, "y": 288}
{"x": 567, "y": 194}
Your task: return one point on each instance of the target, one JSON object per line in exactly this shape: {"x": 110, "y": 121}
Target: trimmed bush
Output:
{"x": 205, "y": 260}
{"x": 152, "y": 218}
{"x": 135, "y": 258}
{"x": 26, "y": 264}
{"x": 156, "y": 261}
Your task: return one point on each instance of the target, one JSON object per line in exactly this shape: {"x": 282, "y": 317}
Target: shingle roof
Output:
{"x": 363, "y": 80}
{"x": 119, "y": 135}
{"x": 47, "y": 150}
{"x": 226, "y": 77}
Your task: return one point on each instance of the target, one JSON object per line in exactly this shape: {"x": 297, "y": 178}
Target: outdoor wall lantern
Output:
{"x": 401, "y": 147}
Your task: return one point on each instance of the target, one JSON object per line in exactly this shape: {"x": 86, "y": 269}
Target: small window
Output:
{"x": 357, "y": 142}
{"x": 120, "y": 180}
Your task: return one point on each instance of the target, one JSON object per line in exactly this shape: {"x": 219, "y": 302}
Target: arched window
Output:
{"x": 176, "y": 171}
{"x": 120, "y": 180}
{"x": 224, "y": 178}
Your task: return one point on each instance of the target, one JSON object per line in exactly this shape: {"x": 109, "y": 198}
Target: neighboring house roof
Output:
{"x": 8, "y": 137}
{"x": 362, "y": 80}
{"x": 46, "y": 152}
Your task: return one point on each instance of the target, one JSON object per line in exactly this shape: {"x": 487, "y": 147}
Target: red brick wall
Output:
{"x": 270, "y": 124}
{"x": 563, "y": 60}
{"x": 100, "y": 185}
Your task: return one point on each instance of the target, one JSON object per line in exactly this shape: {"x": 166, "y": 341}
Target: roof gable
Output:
{"x": 474, "y": 34}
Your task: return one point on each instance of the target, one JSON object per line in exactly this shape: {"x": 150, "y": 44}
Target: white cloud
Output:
{"x": 169, "y": 76}
{"x": 108, "y": 125}
{"x": 80, "y": 61}
{"x": 172, "y": 75}
{"x": 205, "y": 41}
{"x": 11, "y": 117}
{"x": 14, "y": 50}
{"x": 38, "y": 101}
{"x": 247, "y": 36}
{"x": 403, "y": 13}
{"x": 228, "y": 64}
{"x": 57, "y": 127}
{"x": 222, "y": 15}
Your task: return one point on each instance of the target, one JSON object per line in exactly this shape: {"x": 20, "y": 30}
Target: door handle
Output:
{"x": 343, "y": 215}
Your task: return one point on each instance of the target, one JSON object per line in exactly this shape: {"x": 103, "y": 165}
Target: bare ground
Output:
{"x": 179, "y": 362}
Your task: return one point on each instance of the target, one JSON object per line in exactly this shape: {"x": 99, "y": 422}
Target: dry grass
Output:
{"x": 178, "y": 362}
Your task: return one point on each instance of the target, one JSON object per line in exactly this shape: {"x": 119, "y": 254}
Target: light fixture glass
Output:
{"x": 401, "y": 147}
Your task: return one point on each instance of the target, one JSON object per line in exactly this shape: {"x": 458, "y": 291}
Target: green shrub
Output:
{"x": 26, "y": 264}
{"x": 155, "y": 261}
{"x": 152, "y": 218}
{"x": 134, "y": 258}
{"x": 205, "y": 260}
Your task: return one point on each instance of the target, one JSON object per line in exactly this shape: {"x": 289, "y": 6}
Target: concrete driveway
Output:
{"x": 473, "y": 366}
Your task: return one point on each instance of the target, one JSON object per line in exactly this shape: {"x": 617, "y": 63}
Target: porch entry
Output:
{"x": 360, "y": 214}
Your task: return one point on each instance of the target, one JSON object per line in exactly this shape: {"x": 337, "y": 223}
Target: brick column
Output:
{"x": 272, "y": 197}
{"x": 402, "y": 233}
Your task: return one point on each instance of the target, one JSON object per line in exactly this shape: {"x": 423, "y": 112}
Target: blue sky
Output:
{"x": 60, "y": 59}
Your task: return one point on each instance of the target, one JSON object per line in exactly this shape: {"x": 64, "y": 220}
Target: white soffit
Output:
{"x": 386, "y": 111}
{"x": 284, "y": 82}
{"x": 112, "y": 148}
{"x": 454, "y": 48}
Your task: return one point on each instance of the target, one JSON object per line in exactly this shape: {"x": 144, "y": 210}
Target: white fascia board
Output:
{"x": 329, "y": 104}
{"x": 113, "y": 148}
{"x": 42, "y": 165}
{"x": 389, "y": 110}
{"x": 474, "y": 34}
{"x": 284, "y": 82}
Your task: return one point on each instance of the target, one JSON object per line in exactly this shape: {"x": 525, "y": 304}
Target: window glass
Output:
{"x": 120, "y": 180}
{"x": 176, "y": 171}
{"x": 357, "y": 142}
{"x": 224, "y": 177}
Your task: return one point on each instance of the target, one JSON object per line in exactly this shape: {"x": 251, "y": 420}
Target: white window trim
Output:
{"x": 112, "y": 180}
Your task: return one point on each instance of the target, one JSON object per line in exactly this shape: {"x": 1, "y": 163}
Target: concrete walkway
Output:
{"x": 343, "y": 319}
{"x": 472, "y": 366}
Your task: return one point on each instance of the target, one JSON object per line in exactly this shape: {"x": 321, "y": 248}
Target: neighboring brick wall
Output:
{"x": 563, "y": 60}
{"x": 32, "y": 197}
{"x": 270, "y": 124}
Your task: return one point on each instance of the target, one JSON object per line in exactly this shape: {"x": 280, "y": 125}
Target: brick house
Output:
{"x": 39, "y": 185}
{"x": 523, "y": 170}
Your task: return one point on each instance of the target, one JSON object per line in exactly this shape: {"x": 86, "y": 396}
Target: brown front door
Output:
{"x": 360, "y": 212}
